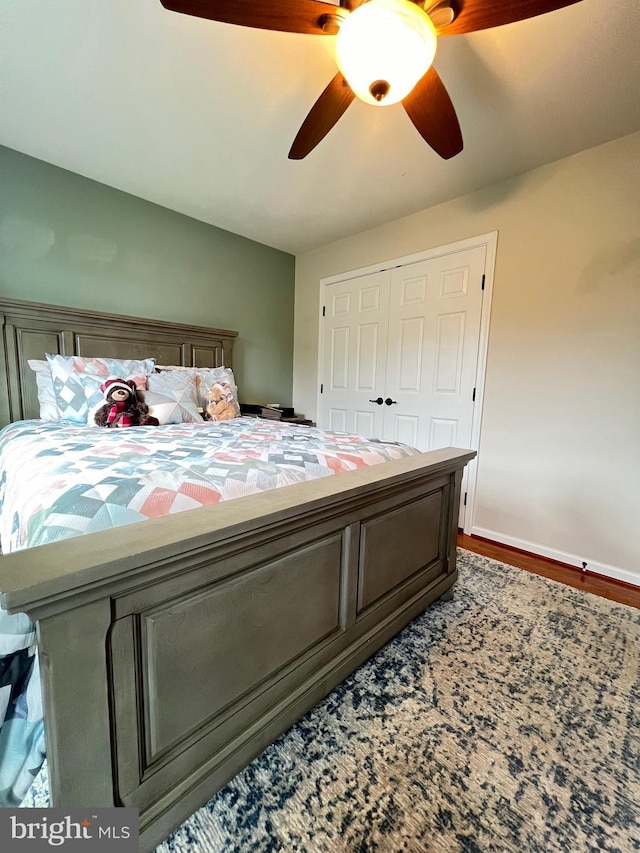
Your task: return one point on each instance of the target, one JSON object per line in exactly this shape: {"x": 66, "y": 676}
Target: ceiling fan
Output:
{"x": 384, "y": 51}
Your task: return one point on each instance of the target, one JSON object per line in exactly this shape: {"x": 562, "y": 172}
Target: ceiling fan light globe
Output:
{"x": 390, "y": 40}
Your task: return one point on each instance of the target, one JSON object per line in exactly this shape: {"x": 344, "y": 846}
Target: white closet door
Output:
{"x": 355, "y": 345}
{"x": 434, "y": 327}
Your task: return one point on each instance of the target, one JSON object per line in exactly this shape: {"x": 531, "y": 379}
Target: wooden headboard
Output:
{"x": 31, "y": 329}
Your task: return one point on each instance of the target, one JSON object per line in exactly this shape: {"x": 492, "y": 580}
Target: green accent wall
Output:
{"x": 68, "y": 240}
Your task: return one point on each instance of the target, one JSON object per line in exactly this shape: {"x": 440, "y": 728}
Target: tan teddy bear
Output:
{"x": 221, "y": 405}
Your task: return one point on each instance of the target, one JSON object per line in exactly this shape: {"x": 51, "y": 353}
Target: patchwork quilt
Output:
{"x": 59, "y": 480}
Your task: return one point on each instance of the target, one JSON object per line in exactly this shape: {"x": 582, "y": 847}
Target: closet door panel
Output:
{"x": 354, "y": 354}
{"x": 434, "y": 326}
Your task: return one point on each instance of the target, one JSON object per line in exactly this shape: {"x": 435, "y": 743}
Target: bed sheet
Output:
{"x": 58, "y": 481}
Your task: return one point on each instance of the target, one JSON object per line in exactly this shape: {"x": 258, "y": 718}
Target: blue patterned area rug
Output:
{"x": 504, "y": 720}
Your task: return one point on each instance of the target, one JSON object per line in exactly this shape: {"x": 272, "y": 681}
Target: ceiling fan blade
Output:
{"x": 326, "y": 111}
{"x": 429, "y": 107}
{"x": 287, "y": 16}
{"x": 482, "y": 14}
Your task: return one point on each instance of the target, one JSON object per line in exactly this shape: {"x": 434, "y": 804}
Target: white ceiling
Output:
{"x": 199, "y": 116}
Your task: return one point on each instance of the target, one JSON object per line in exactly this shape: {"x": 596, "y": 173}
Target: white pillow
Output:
{"x": 46, "y": 394}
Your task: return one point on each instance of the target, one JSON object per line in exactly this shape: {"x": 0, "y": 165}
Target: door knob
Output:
{"x": 390, "y": 402}
{"x": 378, "y": 400}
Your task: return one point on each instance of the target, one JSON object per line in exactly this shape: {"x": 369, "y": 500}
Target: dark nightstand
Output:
{"x": 283, "y": 414}
{"x": 298, "y": 420}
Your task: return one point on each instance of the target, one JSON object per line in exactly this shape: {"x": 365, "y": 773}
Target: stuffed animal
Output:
{"x": 221, "y": 406}
{"x": 122, "y": 408}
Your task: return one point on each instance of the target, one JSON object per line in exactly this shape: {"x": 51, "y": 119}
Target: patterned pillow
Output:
{"x": 205, "y": 377}
{"x": 77, "y": 391}
{"x": 46, "y": 394}
{"x": 104, "y": 366}
{"x": 168, "y": 410}
{"x": 181, "y": 388}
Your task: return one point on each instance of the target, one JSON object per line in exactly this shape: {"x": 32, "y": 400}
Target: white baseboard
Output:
{"x": 560, "y": 556}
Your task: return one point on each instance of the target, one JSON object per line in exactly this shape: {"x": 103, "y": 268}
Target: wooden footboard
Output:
{"x": 175, "y": 650}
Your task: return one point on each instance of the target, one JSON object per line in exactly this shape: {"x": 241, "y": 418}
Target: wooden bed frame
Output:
{"x": 175, "y": 650}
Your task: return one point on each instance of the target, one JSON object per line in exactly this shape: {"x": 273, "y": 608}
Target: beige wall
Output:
{"x": 559, "y": 461}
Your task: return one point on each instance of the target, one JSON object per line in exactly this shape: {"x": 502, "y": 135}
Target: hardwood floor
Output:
{"x": 597, "y": 584}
